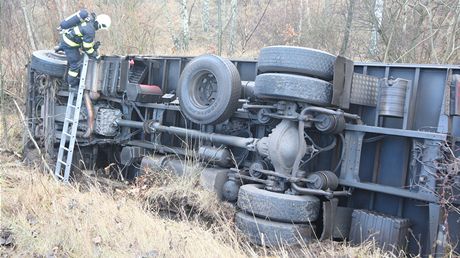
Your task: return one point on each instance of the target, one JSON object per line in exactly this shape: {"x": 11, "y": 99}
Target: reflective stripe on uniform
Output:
{"x": 72, "y": 73}
{"x": 77, "y": 31}
{"x": 88, "y": 45}
{"x": 69, "y": 42}
{"x": 90, "y": 51}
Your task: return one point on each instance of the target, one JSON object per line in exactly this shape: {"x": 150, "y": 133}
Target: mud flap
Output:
{"x": 329, "y": 211}
{"x": 343, "y": 74}
{"x": 342, "y": 222}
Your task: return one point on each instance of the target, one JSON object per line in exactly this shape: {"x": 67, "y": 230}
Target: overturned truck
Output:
{"x": 307, "y": 144}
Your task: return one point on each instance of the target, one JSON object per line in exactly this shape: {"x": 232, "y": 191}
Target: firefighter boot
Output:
{"x": 73, "y": 83}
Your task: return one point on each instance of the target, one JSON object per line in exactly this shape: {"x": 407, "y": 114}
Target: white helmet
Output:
{"x": 103, "y": 21}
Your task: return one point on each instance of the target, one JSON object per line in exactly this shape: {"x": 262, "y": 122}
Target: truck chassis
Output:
{"x": 306, "y": 143}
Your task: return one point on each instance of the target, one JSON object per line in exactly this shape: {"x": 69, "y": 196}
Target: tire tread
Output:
{"x": 297, "y": 60}
{"x": 42, "y": 62}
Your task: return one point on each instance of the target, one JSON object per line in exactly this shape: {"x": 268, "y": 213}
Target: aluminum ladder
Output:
{"x": 69, "y": 131}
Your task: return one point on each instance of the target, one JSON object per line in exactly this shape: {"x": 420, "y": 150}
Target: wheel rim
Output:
{"x": 203, "y": 89}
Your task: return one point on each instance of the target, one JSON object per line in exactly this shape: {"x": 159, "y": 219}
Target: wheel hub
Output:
{"x": 206, "y": 89}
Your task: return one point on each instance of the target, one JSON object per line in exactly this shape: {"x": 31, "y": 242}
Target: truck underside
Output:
{"x": 305, "y": 143}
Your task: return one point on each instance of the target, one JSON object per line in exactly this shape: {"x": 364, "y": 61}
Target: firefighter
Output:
{"x": 82, "y": 36}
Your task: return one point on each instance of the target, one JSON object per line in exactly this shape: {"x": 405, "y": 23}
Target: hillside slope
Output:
{"x": 43, "y": 218}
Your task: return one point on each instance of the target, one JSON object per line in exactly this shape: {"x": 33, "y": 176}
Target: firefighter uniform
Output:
{"x": 81, "y": 36}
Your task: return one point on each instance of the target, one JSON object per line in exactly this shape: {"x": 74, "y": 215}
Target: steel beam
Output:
{"x": 396, "y": 132}
{"x": 388, "y": 190}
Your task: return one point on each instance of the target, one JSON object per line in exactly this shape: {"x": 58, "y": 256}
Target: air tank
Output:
{"x": 393, "y": 97}
{"x": 75, "y": 19}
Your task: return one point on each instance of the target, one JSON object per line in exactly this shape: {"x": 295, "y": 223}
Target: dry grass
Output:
{"x": 45, "y": 217}
{"x": 11, "y": 130}
{"x": 48, "y": 218}
{"x": 181, "y": 197}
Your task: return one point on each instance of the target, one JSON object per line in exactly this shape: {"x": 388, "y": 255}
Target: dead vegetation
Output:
{"x": 159, "y": 216}
{"x": 44, "y": 217}
{"x": 182, "y": 198}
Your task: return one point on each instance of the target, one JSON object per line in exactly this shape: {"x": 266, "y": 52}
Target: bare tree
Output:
{"x": 185, "y": 28}
{"x": 219, "y": 26}
{"x": 452, "y": 47}
{"x": 346, "y": 35}
{"x": 28, "y": 25}
{"x": 205, "y": 15}
{"x": 233, "y": 21}
{"x": 246, "y": 37}
{"x": 174, "y": 38}
{"x": 393, "y": 26}
{"x": 377, "y": 24}
{"x": 2, "y": 89}
{"x": 57, "y": 5}
{"x": 301, "y": 11}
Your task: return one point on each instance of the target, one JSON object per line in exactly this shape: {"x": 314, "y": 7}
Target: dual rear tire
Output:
{"x": 274, "y": 219}
{"x": 295, "y": 74}
{"x": 298, "y": 75}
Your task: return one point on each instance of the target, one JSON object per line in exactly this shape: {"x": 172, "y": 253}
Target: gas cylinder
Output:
{"x": 75, "y": 19}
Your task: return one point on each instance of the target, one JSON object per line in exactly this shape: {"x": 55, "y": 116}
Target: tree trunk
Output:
{"x": 185, "y": 29}
{"x": 234, "y": 17}
{"x": 307, "y": 13}
{"x": 205, "y": 15}
{"x": 451, "y": 46}
{"x": 174, "y": 38}
{"x": 59, "y": 10}
{"x": 2, "y": 100}
{"x": 219, "y": 27}
{"x": 3, "y": 27}
{"x": 346, "y": 35}
{"x": 28, "y": 26}
{"x": 299, "y": 36}
{"x": 378, "y": 17}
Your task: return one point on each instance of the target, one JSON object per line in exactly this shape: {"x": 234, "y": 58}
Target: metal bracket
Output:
{"x": 455, "y": 95}
{"x": 352, "y": 155}
{"x": 445, "y": 119}
{"x": 343, "y": 74}
{"x": 329, "y": 212}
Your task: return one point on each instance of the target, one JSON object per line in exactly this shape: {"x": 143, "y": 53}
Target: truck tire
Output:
{"x": 298, "y": 60}
{"x": 253, "y": 199}
{"x": 274, "y": 234}
{"x": 208, "y": 89}
{"x": 48, "y": 62}
{"x": 294, "y": 88}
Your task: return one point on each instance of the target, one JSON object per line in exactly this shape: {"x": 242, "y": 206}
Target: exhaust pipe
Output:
{"x": 90, "y": 108}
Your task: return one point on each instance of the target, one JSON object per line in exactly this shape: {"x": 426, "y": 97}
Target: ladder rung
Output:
{"x": 67, "y": 135}
{"x": 71, "y": 120}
